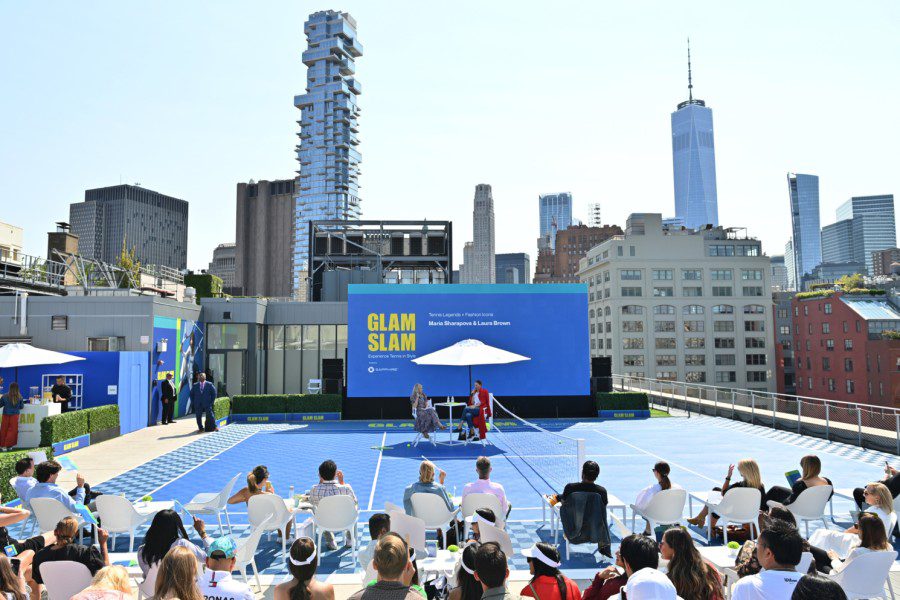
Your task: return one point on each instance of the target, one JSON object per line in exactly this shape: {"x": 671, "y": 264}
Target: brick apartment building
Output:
{"x": 840, "y": 352}
{"x": 572, "y": 244}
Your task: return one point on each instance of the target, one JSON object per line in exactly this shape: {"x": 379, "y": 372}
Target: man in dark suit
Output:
{"x": 168, "y": 397}
{"x": 203, "y": 394}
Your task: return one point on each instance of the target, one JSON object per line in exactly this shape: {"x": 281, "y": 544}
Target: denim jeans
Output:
{"x": 469, "y": 413}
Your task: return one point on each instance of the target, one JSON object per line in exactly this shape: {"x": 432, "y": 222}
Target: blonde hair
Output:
{"x": 811, "y": 465}
{"x": 885, "y": 500}
{"x": 177, "y": 576}
{"x": 749, "y": 470}
{"x": 417, "y": 389}
{"x": 426, "y": 471}
{"x": 65, "y": 531}
{"x": 114, "y": 577}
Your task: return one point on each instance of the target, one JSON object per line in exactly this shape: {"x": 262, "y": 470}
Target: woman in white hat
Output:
{"x": 547, "y": 582}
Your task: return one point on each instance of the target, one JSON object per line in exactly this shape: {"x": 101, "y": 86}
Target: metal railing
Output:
{"x": 864, "y": 425}
{"x": 32, "y": 272}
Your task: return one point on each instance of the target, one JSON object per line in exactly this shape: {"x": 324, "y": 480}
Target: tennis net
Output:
{"x": 547, "y": 460}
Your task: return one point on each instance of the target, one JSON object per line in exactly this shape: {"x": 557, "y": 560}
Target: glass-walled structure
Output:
{"x": 294, "y": 354}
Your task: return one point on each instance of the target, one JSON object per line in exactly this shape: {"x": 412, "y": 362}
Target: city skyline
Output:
{"x": 462, "y": 108}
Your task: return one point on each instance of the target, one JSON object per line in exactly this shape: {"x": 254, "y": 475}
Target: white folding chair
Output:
{"x": 50, "y": 511}
{"x": 271, "y": 513}
{"x": 64, "y": 578}
{"x": 336, "y": 514}
{"x": 666, "y": 507}
{"x": 26, "y": 506}
{"x": 314, "y": 386}
{"x": 739, "y": 506}
{"x": 411, "y": 529}
{"x": 147, "y": 588}
{"x": 472, "y": 502}
{"x": 246, "y": 552}
{"x": 214, "y": 503}
{"x": 489, "y": 533}
{"x": 432, "y": 509}
{"x": 865, "y": 575}
{"x": 389, "y": 506}
{"x": 118, "y": 515}
{"x": 810, "y": 505}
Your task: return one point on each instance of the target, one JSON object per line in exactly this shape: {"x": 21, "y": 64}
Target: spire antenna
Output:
{"x": 690, "y": 85}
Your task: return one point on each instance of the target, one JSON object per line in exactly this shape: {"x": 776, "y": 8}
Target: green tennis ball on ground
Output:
{"x": 408, "y": 445}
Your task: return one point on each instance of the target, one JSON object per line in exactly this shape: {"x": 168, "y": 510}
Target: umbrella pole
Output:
{"x": 470, "y": 380}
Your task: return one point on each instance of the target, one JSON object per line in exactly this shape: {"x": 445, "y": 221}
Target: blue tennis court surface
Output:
{"x": 378, "y": 462}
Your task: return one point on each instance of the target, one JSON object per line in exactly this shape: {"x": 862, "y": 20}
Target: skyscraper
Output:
{"x": 594, "y": 214}
{"x": 555, "y": 214}
{"x": 791, "y": 275}
{"x": 837, "y": 242}
{"x": 806, "y": 233}
{"x": 513, "y": 268}
{"x": 153, "y": 224}
{"x": 694, "y": 161}
{"x": 874, "y": 226}
{"x": 329, "y": 162}
{"x": 483, "y": 269}
{"x": 265, "y": 237}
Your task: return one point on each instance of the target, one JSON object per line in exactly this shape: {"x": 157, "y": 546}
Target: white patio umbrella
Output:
{"x": 13, "y": 356}
{"x": 466, "y": 353}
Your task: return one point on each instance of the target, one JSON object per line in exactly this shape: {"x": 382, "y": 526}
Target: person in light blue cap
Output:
{"x": 216, "y": 581}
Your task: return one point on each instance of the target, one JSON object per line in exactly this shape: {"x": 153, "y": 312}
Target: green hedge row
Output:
{"x": 222, "y": 407}
{"x": 66, "y": 426}
{"x": 286, "y": 403}
{"x": 622, "y": 401}
{"x": 8, "y": 470}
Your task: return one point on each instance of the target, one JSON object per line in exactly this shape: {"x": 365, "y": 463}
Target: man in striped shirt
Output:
{"x": 331, "y": 483}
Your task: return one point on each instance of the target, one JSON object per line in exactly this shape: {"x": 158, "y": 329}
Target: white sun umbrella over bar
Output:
{"x": 13, "y": 356}
{"x": 466, "y": 353}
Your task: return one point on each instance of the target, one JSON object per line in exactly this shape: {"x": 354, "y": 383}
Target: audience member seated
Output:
{"x": 891, "y": 480}
{"x": 331, "y": 483}
{"x": 12, "y": 585}
{"x": 590, "y": 470}
{"x": 746, "y": 562}
{"x": 492, "y": 571}
{"x": 872, "y": 538}
{"x": 464, "y": 586}
{"x": 661, "y": 473}
{"x": 395, "y": 572}
{"x": 878, "y": 497}
{"x": 257, "y": 483}
{"x": 778, "y": 551}
{"x": 426, "y": 485}
{"x": 426, "y": 416}
{"x": 749, "y": 470}
{"x": 25, "y": 550}
{"x": 484, "y": 485}
{"x": 166, "y": 531}
{"x": 303, "y": 561}
{"x": 216, "y": 581}
{"x": 46, "y": 475}
{"x": 692, "y": 576}
{"x": 65, "y": 548}
{"x": 547, "y": 583}
{"x": 177, "y": 578}
{"x": 110, "y": 583}
{"x": 24, "y": 477}
{"x": 645, "y": 581}
{"x": 481, "y": 515}
{"x": 379, "y": 524}
{"x": 809, "y": 477}
{"x": 814, "y": 587}
{"x": 610, "y": 580}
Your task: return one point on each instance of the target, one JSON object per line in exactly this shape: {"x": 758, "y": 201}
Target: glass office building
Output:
{"x": 806, "y": 233}
{"x": 694, "y": 164}
{"x": 873, "y": 223}
{"x": 555, "y": 214}
{"x": 327, "y": 186}
{"x": 837, "y": 242}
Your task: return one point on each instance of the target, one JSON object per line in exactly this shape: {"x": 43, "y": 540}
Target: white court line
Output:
{"x": 377, "y": 469}
{"x": 612, "y": 437}
{"x": 200, "y": 464}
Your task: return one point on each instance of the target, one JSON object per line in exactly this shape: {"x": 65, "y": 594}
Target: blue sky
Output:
{"x": 189, "y": 98}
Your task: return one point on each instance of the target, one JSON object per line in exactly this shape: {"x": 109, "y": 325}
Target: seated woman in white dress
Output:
{"x": 871, "y": 537}
{"x": 661, "y": 472}
{"x": 881, "y": 504}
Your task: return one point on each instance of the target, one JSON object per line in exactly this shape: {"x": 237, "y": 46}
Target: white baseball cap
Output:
{"x": 650, "y": 584}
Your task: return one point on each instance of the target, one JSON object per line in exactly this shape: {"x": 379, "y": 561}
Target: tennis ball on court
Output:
{"x": 408, "y": 445}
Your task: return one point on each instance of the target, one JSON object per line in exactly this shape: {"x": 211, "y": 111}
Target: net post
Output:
{"x": 581, "y": 458}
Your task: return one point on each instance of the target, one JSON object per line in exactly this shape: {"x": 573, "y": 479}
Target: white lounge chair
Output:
{"x": 472, "y": 502}
{"x": 270, "y": 512}
{"x": 214, "y": 503}
{"x": 30, "y": 519}
{"x": 809, "y": 505}
{"x": 246, "y": 552}
{"x": 432, "y": 509}
{"x": 147, "y": 588}
{"x": 118, "y": 515}
{"x": 489, "y": 533}
{"x": 739, "y": 506}
{"x": 64, "y": 578}
{"x": 50, "y": 511}
{"x": 411, "y": 529}
{"x": 666, "y": 507}
{"x": 336, "y": 514}
{"x": 866, "y": 575}
{"x": 389, "y": 506}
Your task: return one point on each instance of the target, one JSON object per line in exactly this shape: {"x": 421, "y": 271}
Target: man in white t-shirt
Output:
{"x": 216, "y": 582}
{"x": 778, "y": 551}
